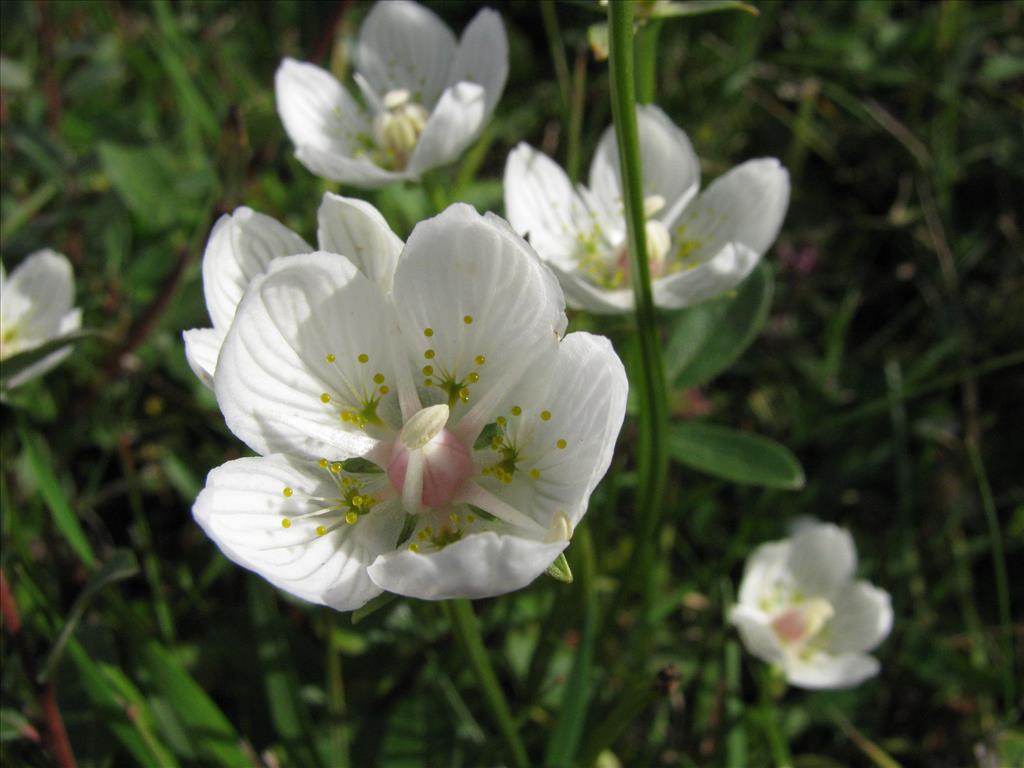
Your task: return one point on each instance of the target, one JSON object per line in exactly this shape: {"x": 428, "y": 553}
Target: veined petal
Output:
{"x": 241, "y": 246}
{"x": 581, "y": 293}
{"x": 756, "y": 634}
{"x": 542, "y": 205}
{"x": 455, "y": 122}
{"x": 357, "y": 171}
{"x": 863, "y": 618}
{"x": 475, "y": 305}
{"x": 202, "y": 347}
{"x": 358, "y": 231}
{"x": 561, "y": 421}
{"x": 726, "y": 269}
{"x": 261, "y": 526}
{"x": 482, "y": 57}
{"x": 823, "y": 670}
{"x": 317, "y": 112}
{"x": 669, "y": 166}
{"x": 745, "y": 206}
{"x": 479, "y": 565}
{"x": 765, "y": 567}
{"x": 822, "y": 559}
{"x": 405, "y": 46}
{"x": 37, "y": 296}
{"x": 305, "y": 365}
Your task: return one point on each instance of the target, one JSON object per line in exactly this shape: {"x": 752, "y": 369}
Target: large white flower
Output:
{"x": 480, "y": 432}
{"x": 427, "y": 97}
{"x": 698, "y": 246}
{"x": 36, "y": 307}
{"x": 799, "y": 608}
{"x": 242, "y": 245}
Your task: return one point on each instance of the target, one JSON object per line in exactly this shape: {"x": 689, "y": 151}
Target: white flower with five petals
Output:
{"x": 242, "y": 245}
{"x": 799, "y": 608}
{"x": 437, "y": 440}
{"x": 698, "y": 246}
{"x": 427, "y": 97}
{"x": 36, "y": 307}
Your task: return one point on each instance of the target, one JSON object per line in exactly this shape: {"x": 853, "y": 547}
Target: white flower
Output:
{"x": 427, "y": 98}
{"x": 242, "y": 245}
{"x": 799, "y": 608}
{"x": 36, "y": 307}
{"x": 698, "y": 246}
{"x": 481, "y": 431}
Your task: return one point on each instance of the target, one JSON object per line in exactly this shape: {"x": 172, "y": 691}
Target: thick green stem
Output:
{"x": 646, "y": 61}
{"x": 652, "y": 456}
{"x": 467, "y": 630}
{"x": 770, "y": 722}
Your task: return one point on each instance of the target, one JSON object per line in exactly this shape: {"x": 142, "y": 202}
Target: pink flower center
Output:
{"x": 446, "y": 466}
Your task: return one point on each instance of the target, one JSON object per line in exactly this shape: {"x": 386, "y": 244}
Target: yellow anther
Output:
{"x": 464, "y": 394}
{"x": 384, "y": 390}
{"x": 364, "y": 358}
{"x": 428, "y": 370}
{"x": 473, "y": 378}
{"x": 325, "y": 398}
{"x": 414, "y": 547}
{"x": 336, "y": 467}
{"x": 516, "y": 410}
{"x": 422, "y": 536}
{"x": 561, "y": 443}
{"x": 467, "y": 319}
{"x": 535, "y": 474}
{"x": 428, "y": 382}
{"x": 501, "y": 421}
{"x": 378, "y": 378}
{"x": 470, "y": 518}
{"x": 545, "y": 415}
{"x": 480, "y": 359}
{"x": 429, "y": 354}
{"x": 330, "y": 358}
{"x": 357, "y": 501}
{"x": 323, "y": 463}
{"x": 454, "y": 517}
{"x": 428, "y": 332}
{"x": 287, "y": 492}
{"x": 321, "y": 531}
{"x": 286, "y": 523}
{"x": 351, "y": 518}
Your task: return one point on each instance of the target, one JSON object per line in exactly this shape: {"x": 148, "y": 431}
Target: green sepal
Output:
{"x": 559, "y": 570}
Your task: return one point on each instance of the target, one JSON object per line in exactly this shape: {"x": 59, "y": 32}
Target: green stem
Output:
{"x": 467, "y": 630}
{"x": 770, "y": 721}
{"x": 554, "y": 35}
{"x": 336, "y": 702}
{"x": 646, "y": 61}
{"x": 999, "y": 566}
{"x": 435, "y": 192}
{"x": 652, "y": 458}
{"x": 576, "y": 106}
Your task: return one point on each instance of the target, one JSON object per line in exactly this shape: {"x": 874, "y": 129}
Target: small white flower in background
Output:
{"x": 799, "y": 608}
{"x": 242, "y": 245}
{"x": 698, "y": 246}
{"x": 427, "y": 97}
{"x": 36, "y": 307}
{"x": 428, "y": 433}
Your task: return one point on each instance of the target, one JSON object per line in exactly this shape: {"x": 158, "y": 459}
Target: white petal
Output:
{"x": 241, "y": 246}
{"x": 317, "y": 112}
{"x": 745, "y": 206}
{"x": 460, "y": 265}
{"x": 756, "y": 634}
{"x": 581, "y": 293}
{"x": 822, "y": 559}
{"x": 542, "y": 205}
{"x": 482, "y": 56}
{"x": 274, "y": 367}
{"x": 563, "y": 418}
{"x": 863, "y": 618}
{"x": 242, "y": 508}
{"x": 826, "y": 671}
{"x": 453, "y": 125}
{"x": 37, "y": 296}
{"x": 722, "y": 272}
{"x": 202, "y": 347}
{"x": 669, "y": 166}
{"x": 480, "y": 565}
{"x": 72, "y": 321}
{"x": 359, "y": 172}
{"x": 358, "y": 231}
{"x": 766, "y": 566}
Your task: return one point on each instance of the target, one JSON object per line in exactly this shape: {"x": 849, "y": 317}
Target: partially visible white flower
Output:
{"x": 480, "y": 432}
{"x": 698, "y": 246}
{"x": 427, "y": 98}
{"x": 799, "y": 608}
{"x": 242, "y": 245}
{"x": 36, "y": 307}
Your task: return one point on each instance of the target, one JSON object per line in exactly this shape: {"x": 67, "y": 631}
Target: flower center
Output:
{"x": 397, "y": 127}
{"x": 799, "y": 624}
{"x": 9, "y": 341}
{"x": 659, "y": 243}
{"x": 428, "y": 464}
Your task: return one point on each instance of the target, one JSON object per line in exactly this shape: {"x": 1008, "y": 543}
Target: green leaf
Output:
{"x": 14, "y": 725}
{"x": 708, "y": 338}
{"x": 732, "y": 455}
{"x": 360, "y": 466}
{"x": 560, "y": 570}
{"x": 49, "y": 488}
{"x": 211, "y": 733}
{"x": 121, "y": 565}
{"x": 14, "y": 365}
{"x": 663, "y": 9}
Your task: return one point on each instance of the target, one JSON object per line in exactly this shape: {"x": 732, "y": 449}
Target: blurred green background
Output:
{"x": 889, "y": 362}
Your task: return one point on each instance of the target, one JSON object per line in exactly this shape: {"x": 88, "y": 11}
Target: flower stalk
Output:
{"x": 652, "y": 456}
